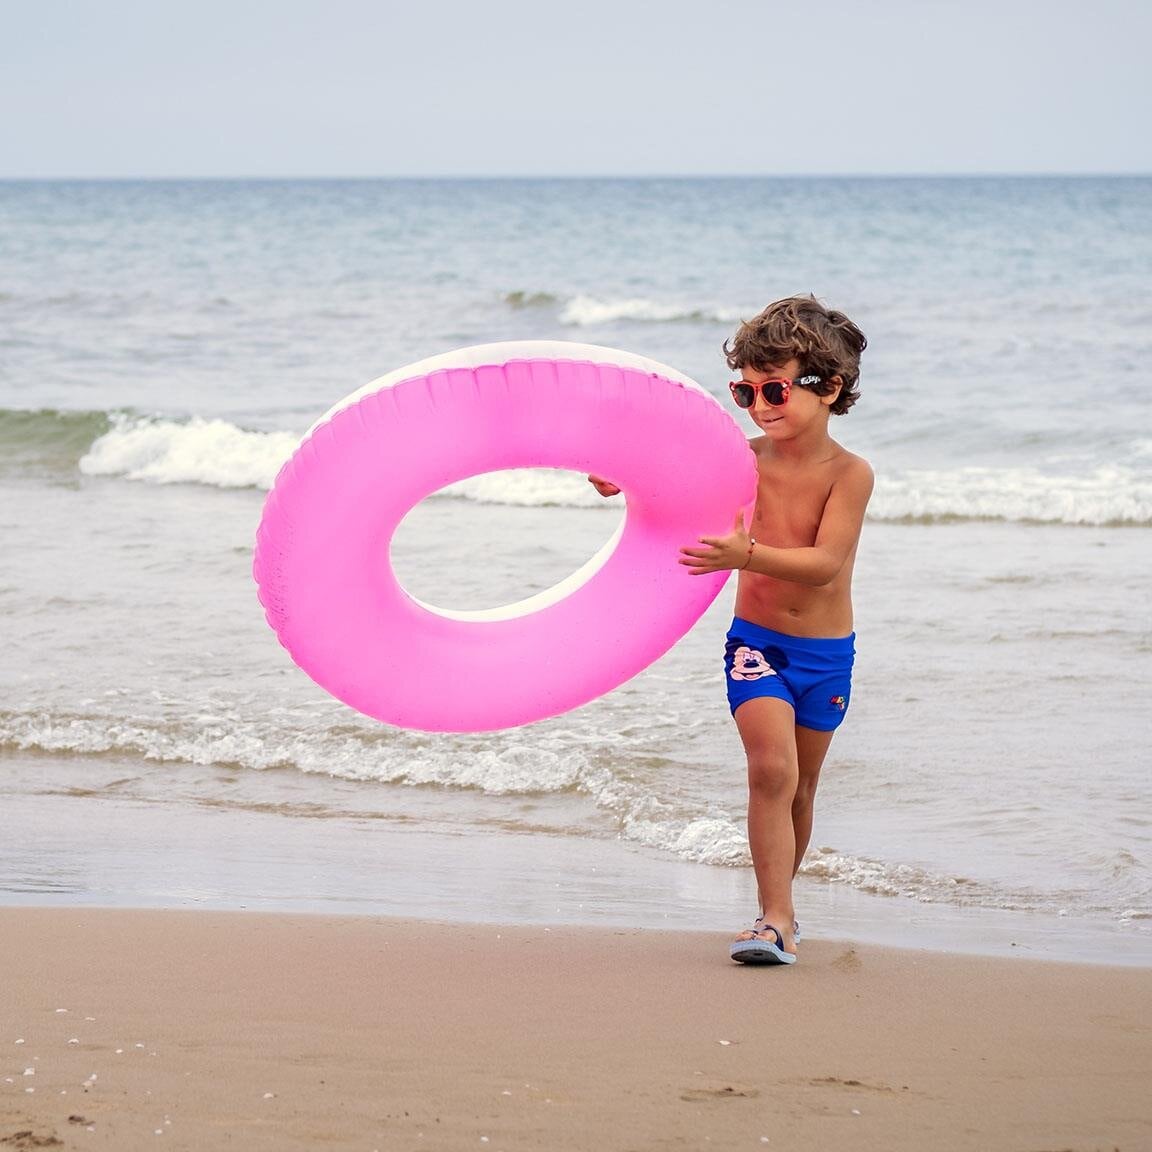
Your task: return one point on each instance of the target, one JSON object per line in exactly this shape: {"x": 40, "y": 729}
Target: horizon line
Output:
{"x": 575, "y": 176}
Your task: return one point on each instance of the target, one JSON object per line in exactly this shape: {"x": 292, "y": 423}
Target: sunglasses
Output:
{"x": 775, "y": 391}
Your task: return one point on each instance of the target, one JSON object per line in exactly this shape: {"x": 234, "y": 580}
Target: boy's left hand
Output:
{"x": 722, "y": 553}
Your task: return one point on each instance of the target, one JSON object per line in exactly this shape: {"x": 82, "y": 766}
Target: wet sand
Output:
{"x": 204, "y": 1030}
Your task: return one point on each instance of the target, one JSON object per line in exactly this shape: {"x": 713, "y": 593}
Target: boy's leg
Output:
{"x": 811, "y": 748}
{"x": 767, "y": 727}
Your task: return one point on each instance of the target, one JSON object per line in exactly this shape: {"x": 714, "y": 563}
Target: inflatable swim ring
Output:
{"x": 322, "y": 552}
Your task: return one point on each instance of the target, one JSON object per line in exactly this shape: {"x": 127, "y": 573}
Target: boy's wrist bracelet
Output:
{"x": 751, "y": 549}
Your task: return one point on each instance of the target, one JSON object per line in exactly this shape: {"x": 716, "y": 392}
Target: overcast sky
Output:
{"x": 201, "y": 88}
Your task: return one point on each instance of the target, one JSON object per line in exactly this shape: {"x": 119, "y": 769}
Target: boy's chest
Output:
{"x": 789, "y": 507}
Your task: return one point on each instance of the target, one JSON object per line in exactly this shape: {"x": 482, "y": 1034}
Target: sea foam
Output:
{"x": 544, "y": 762}
{"x": 1114, "y": 494}
{"x": 219, "y": 454}
{"x": 581, "y": 311}
{"x": 210, "y": 452}
{"x": 540, "y": 764}
{"x": 585, "y": 311}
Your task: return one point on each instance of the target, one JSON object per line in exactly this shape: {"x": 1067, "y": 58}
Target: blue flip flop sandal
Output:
{"x": 761, "y": 951}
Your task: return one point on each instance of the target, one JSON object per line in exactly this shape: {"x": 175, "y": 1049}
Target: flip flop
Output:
{"x": 795, "y": 928}
{"x": 760, "y": 951}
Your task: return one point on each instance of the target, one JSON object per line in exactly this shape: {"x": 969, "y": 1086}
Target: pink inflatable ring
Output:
{"x": 322, "y": 551}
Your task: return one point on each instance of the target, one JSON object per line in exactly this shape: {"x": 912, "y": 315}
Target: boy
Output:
{"x": 788, "y": 659}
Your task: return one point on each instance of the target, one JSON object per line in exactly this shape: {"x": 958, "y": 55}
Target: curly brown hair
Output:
{"x": 824, "y": 341}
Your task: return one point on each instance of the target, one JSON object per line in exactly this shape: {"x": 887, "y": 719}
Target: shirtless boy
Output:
{"x": 788, "y": 659}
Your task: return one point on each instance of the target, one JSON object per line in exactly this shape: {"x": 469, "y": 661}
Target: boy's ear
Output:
{"x": 832, "y": 397}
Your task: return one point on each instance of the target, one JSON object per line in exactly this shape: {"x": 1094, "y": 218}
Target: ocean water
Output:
{"x": 163, "y": 346}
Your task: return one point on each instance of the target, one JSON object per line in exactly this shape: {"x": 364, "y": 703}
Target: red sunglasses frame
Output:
{"x": 784, "y": 390}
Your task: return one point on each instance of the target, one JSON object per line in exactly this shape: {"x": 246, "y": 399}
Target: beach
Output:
{"x": 178, "y": 1029}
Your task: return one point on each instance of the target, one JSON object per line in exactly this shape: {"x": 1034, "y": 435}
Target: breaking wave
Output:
{"x": 210, "y": 452}
{"x": 217, "y": 453}
{"x": 589, "y": 311}
{"x": 542, "y": 763}
{"x": 1113, "y": 495}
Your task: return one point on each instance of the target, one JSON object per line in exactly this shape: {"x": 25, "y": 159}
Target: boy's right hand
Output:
{"x": 604, "y": 487}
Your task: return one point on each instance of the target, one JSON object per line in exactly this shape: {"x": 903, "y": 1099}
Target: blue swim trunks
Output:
{"x": 813, "y": 675}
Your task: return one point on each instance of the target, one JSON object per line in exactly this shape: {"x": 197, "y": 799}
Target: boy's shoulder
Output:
{"x": 854, "y": 467}
{"x": 851, "y": 476}
{"x": 839, "y": 461}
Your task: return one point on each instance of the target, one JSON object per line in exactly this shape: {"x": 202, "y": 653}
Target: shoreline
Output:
{"x": 104, "y": 851}
{"x": 276, "y": 1031}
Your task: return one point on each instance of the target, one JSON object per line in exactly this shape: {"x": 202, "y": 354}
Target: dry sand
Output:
{"x": 203, "y": 1030}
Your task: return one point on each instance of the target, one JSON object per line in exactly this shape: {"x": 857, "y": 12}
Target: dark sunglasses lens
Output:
{"x": 774, "y": 393}
{"x": 744, "y": 395}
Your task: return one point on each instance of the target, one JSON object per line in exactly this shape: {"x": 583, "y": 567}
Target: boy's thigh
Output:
{"x": 767, "y": 727}
{"x": 812, "y": 746}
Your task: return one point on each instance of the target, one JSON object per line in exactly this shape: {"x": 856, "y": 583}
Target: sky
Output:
{"x": 374, "y": 88}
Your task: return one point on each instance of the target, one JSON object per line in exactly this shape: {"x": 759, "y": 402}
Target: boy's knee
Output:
{"x": 806, "y": 789}
{"x": 771, "y": 774}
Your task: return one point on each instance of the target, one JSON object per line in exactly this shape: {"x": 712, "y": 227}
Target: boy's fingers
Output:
{"x": 739, "y": 522}
{"x": 604, "y": 487}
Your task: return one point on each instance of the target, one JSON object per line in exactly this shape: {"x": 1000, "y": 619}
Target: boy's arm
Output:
{"x": 816, "y": 565}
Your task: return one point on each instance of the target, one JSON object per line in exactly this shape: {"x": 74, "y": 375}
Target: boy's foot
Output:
{"x": 761, "y": 944}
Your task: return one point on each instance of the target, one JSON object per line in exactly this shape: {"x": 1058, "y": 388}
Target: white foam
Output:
{"x": 219, "y": 454}
{"x": 542, "y": 763}
{"x": 585, "y": 311}
{"x": 209, "y": 452}
{"x": 1107, "y": 495}
{"x": 705, "y": 839}
{"x": 528, "y": 488}
{"x": 912, "y": 882}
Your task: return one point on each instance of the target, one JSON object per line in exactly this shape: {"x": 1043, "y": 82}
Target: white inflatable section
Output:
{"x": 503, "y": 351}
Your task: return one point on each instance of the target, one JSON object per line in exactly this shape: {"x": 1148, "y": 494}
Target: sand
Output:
{"x": 203, "y": 1030}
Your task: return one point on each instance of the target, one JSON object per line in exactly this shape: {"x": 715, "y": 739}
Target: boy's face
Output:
{"x": 802, "y": 406}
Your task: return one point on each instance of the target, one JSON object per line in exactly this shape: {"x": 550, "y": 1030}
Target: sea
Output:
{"x": 165, "y": 345}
